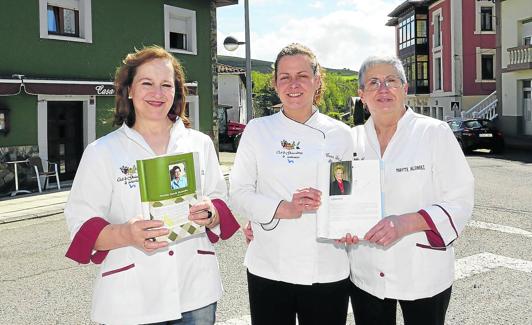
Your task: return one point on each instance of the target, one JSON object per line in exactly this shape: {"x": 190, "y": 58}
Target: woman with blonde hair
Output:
{"x": 290, "y": 272}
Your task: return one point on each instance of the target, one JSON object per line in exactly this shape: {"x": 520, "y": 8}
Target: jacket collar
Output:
{"x": 176, "y": 132}
{"x": 403, "y": 123}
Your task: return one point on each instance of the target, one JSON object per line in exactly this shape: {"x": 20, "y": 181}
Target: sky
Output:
{"x": 340, "y": 32}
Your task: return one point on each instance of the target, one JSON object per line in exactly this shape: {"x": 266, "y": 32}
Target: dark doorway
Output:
{"x": 65, "y": 136}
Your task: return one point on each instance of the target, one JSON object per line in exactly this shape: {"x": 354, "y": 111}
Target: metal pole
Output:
{"x": 249, "y": 90}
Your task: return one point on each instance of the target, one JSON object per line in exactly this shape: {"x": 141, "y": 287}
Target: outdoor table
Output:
{"x": 15, "y": 163}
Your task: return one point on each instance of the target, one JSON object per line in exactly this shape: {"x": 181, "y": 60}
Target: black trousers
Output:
{"x": 370, "y": 310}
{"x": 278, "y": 303}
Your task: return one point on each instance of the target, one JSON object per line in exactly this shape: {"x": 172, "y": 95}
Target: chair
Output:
{"x": 52, "y": 170}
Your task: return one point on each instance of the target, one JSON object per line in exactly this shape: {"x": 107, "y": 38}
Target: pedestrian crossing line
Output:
{"x": 485, "y": 262}
{"x": 500, "y": 228}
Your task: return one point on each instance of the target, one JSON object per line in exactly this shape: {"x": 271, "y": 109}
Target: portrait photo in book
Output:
{"x": 178, "y": 176}
{"x": 341, "y": 178}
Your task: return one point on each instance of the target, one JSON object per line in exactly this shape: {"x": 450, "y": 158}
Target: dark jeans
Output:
{"x": 278, "y": 303}
{"x": 370, "y": 310}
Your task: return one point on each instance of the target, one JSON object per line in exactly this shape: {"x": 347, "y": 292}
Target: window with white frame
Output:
{"x": 484, "y": 17}
{"x": 526, "y": 32}
{"x": 192, "y": 111}
{"x": 436, "y": 23}
{"x": 180, "y": 30}
{"x": 68, "y": 20}
{"x": 485, "y": 65}
{"x": 437, "y": 73}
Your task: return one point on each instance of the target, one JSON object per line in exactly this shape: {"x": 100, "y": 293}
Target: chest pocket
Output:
{"x": 408, "y": 181}
{"x": 125, "y": 202}
{"x": 283, "y": 162}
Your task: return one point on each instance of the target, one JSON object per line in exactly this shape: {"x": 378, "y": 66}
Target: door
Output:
{"x": 65, "y": 136}
{"x": 527, "y": 107}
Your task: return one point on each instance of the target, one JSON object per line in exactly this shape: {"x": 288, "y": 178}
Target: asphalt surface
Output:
{"x": 38, "y": 285}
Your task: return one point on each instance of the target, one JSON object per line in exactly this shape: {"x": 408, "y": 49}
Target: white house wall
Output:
{"x": 232, "y": 92}
{"x": 513, "y": 13}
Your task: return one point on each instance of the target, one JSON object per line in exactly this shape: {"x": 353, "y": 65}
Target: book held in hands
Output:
{"x": 169, "y": 185}
{"x": 351, "y": 198}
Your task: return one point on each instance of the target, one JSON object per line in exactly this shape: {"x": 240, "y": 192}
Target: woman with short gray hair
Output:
{"x": 427, "y": 191}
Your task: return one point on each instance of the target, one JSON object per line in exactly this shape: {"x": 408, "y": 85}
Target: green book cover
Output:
{"x": 168, "y": 186}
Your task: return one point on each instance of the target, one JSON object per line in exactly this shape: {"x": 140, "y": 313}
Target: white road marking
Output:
{"x": 484, "y": 262}
{"x": 464, "y": 267}
{"x": 501, "y": 228}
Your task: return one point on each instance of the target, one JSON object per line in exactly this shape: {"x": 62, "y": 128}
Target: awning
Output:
{"x": 9, "y": 87}
{"x": 68, "y": 87}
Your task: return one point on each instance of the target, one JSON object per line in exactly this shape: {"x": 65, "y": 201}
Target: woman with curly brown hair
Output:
{"x": 141, "y": 280}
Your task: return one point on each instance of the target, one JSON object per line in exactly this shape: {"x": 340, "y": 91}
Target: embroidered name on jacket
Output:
{"x": 291, "y": 151}
{"x": 410, "y": 169}
{"x": 130, "y": 177}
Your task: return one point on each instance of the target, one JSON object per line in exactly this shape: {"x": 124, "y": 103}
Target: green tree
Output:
{"x": 337, "y": 91}
{"x": 265, "y": 95}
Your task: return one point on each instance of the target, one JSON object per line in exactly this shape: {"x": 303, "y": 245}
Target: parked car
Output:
{"x": 229, "y": 131}
{"x": 477, "y": 133}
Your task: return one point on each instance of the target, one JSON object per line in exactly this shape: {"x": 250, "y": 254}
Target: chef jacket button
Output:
{"x": 171, "y": 253}
{"x": 381, "y": 274}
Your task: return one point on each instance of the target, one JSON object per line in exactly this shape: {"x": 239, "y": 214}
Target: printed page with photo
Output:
{"x": 169, "y": 185}
{"x": 351, "y": 198}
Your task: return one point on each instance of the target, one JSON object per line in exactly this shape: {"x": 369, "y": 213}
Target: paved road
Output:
{"x": 494, "y": 260}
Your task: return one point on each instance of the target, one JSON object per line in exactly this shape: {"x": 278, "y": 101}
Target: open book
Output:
{"x": 169, "y": 185}
{"x": 351, "y": 198}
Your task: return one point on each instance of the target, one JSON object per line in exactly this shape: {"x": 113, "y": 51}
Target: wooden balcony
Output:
{"x": 520, "y": 58}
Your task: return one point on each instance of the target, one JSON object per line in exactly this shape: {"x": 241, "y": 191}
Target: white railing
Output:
{"x": 521, "y": 54}
{"x": 486, "y": 108}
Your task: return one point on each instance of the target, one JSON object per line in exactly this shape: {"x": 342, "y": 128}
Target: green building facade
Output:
{"x": 57, "y": 67}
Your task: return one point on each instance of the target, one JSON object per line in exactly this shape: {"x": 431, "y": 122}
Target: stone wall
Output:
{"x": 26, "y": 175}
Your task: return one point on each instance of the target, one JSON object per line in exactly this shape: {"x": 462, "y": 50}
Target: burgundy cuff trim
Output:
{"x": 228, "y": 223}
{"x": 201, "y": 252}
{"x": 80, "y": 250}
{"x": 433, "y": 236}
{"x": 213, "y": 238}
{"x": 430, "y": 247}
{"x": 118, "y": 270}
{"x": 450, "y": 219}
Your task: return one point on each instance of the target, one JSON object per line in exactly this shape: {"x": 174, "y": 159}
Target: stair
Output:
{"x": 486, "y": 108}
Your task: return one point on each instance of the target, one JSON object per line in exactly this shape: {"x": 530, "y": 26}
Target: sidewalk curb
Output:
{"x": 35, "y": 213}
{"x": 32, "y": 212}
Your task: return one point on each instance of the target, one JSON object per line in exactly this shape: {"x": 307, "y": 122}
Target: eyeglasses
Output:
{"x": 390, "y": 83}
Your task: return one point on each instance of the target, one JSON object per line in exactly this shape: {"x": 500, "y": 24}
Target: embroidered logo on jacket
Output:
{"x": 130, "y": 177}
{"x": 291, "y": 151}
{"x": 290, "y": 146}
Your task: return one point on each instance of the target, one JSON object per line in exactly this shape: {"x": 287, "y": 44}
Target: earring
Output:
{"x": 129, "y": 97}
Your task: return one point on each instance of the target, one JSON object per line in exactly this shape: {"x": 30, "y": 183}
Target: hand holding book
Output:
{"x": 204, "y": 213}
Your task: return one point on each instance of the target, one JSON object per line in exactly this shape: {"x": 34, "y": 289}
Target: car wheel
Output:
{"x": 464, "y": 149}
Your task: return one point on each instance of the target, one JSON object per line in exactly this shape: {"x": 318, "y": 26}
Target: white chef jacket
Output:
{"x": 422, "y": 169}
{"x": 277, "y": 156}
{"x": 133, "y": 287}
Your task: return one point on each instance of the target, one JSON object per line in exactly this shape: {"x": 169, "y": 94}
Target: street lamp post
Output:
{"x": 231, "y": 44}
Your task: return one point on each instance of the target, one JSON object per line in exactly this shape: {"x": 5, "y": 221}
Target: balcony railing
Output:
{"x": 520, "y": 58}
